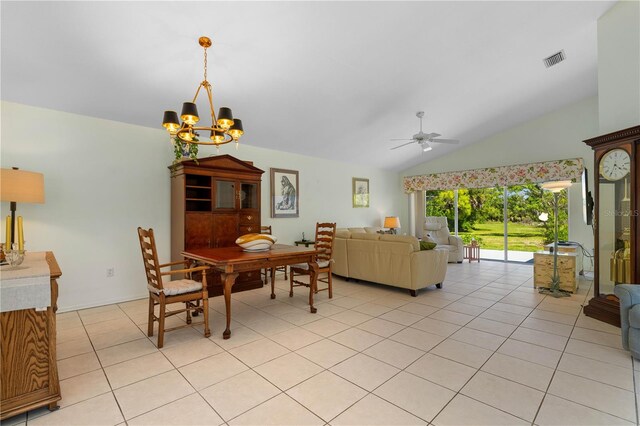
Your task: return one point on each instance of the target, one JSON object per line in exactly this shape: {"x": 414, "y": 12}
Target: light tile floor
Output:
{"x": 485, "y": 349}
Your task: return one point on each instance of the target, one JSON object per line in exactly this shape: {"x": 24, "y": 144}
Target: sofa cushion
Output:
{"x": 427, "y": 245}
{"x": 364, "y": 236}
{"x": 447, "y": 247}
{"x": 343, "y": 233}
{"x": 402, "y": 239}
{"x": 634, "y": 316}
{"x": 357, "y": 230}
{"x": 440, "y": 237}
{"x": 432, "y": 226}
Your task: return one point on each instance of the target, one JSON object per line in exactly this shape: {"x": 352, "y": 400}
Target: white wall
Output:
{"x": 103, "y": 179}
{"x": 619, "y": 67}
{"x": 325, "y": 192}
{"x": 554, "y": 136}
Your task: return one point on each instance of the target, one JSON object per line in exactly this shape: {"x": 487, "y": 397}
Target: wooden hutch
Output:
{"x": 213, "y": 202}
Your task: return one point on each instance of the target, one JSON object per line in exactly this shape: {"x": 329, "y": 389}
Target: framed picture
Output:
{"x": 360, "y": 192}
{"x": 285, "y": 193}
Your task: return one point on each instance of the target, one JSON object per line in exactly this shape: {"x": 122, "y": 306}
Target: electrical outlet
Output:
{"x": 111, "y": 272}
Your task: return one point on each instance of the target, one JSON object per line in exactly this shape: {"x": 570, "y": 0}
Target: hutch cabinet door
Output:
{"x": 198, "y": 230}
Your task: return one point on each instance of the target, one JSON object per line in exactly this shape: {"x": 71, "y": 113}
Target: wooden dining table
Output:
{"x": 230, "y": 261}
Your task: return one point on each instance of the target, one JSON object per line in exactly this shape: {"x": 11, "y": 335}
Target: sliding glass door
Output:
{"x": 504, "y": 220}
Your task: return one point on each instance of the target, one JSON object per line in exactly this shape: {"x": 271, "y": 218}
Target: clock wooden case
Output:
{"x": 616, "y": 224}
{"x": 213, "y": 202}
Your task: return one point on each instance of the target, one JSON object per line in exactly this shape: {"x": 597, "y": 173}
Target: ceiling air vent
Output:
{"x": 554, "y": 59}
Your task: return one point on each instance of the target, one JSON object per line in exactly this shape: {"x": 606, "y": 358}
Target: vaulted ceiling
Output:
{"x": 335, "y": 80}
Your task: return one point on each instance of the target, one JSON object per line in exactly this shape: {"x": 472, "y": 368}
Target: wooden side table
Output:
{"x": 472, "y": 252}
{"x": 543, "y": 270}
{"x": 305, "y": 243}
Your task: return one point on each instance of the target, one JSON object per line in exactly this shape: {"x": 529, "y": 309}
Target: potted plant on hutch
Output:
{"x": 183, "y": 151}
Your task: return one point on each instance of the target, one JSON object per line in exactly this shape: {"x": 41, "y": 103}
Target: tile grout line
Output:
{"x": 295, "y": 326}
{"x": 480, "y": 368}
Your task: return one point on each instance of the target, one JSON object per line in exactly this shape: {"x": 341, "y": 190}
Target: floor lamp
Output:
{"x": 555, "y": 187}
{"x": 20, "y": 186}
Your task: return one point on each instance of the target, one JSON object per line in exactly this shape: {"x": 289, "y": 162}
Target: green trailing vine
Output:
{"x": 179, "y": 149}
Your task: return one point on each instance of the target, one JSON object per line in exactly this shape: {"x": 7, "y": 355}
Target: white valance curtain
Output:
{"x": 519, "y": 174}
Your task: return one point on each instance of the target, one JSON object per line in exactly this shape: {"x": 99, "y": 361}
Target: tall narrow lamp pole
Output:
{"x": 556, "y": 187}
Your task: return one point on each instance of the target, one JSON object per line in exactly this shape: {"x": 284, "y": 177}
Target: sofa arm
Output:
{"x": 428, "y": 267}
{"x": 456, "y": 241}
{"x": 629, "y": 295}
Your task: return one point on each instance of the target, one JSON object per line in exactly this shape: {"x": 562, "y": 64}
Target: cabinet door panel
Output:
{"x": 198, "y": 227}
{"x": 225, "y": 230}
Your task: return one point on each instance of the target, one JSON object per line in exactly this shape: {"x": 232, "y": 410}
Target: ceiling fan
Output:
{"x": 423, "y": 139}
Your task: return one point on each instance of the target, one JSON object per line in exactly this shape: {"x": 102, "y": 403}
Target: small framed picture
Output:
{"x": 285, "y": 193}
{"x": 360, "y": 192}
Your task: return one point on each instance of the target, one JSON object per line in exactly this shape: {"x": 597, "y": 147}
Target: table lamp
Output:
{"x": 19, "y": 186}
{"x": 556, "y": 187}
{"x": 392, "y": 222}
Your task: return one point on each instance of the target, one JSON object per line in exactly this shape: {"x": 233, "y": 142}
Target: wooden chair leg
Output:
{"x": 285, "y": 271}
{"x": 330, "y": 287}
{"x": 205, "y": 306}
{"x": 291, "y": 283}
{"x": 188, "y": 306}
{"x": 150, "y": 320}
{"x": 161, "y": 323}
{"x": 195, "y": 311}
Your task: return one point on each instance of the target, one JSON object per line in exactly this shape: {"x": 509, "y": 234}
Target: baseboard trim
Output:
{"x": 62, "y": 309}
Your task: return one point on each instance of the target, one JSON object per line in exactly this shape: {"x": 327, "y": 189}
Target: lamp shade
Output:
{"x": 189, "y": 113}
{"x": 21, "y": 186}
{"x": 556, "y": 186}
{"x": 225, "y": 117}
{"x": 170, "y": 121}
{"x": 236, "y": 130}
{"x": 391, "y": 222}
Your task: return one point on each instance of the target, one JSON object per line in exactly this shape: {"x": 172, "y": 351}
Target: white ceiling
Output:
{"x": 329, "y": 79}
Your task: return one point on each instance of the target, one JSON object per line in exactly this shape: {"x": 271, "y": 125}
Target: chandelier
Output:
{"x": 224, "y": 128}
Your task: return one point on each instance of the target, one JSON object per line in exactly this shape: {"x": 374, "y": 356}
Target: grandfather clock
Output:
{"x": 616, "y": 223}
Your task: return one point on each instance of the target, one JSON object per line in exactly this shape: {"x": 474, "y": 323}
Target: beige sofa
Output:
{"x": 388, "y": 259}
{"x": 437, "y": 230}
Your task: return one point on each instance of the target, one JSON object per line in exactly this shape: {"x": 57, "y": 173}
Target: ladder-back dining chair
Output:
{"x": 186, "y": 290}
{"x": 325, "y": 234}
{"x": 265, "y": 272}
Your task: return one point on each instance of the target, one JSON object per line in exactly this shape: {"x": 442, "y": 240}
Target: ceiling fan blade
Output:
{"x": 404, "y": 144}
{"x": 448, "y": 141}
{"x": 406, "y": 139}
{"x": 433, "y": 135}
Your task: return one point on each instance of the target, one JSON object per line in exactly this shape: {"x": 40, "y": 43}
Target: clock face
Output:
{"x": 615, "y": 164}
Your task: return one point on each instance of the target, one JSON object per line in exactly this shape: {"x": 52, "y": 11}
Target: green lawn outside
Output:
{"x": 521, "y": 237}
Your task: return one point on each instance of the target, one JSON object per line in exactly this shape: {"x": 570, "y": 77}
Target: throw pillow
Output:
{"x": 426, "y": 245}
{"x": 428, "y": 238}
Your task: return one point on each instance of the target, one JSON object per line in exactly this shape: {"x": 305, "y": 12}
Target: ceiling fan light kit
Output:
{"x": 423, "y": 139}
{"x": 224, "y": 127}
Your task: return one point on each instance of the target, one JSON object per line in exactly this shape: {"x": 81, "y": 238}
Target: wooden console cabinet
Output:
{"x": 543, "y": 270}
{"x": 29, "y": 369}
{"x": 213, "y": 202}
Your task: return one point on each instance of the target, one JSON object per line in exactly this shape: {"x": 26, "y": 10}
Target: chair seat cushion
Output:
{"x": 634, "y": 316}
{"x": 322, "y": 264}
{"x": 447, "y": 247}
{"x": 175, "y": 287}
